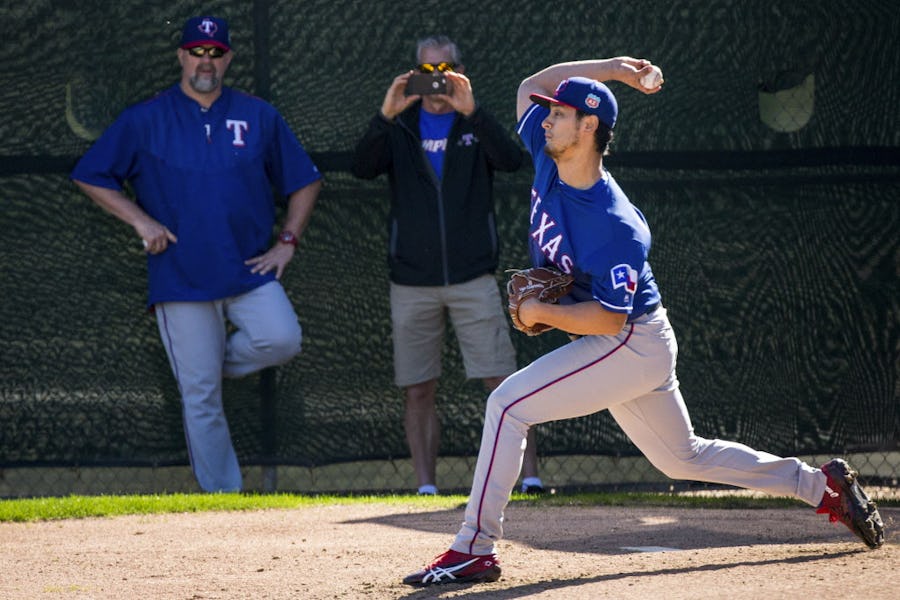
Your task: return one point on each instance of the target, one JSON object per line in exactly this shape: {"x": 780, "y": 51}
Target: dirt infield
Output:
{"x": 362, "y": 551}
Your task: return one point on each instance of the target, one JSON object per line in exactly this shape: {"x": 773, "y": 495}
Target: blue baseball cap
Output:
{"x": 587, "y": 95}
{"x": 205, "y": 31}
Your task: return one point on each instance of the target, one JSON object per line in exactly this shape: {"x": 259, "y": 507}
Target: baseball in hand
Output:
{"x": 653, "y": 79}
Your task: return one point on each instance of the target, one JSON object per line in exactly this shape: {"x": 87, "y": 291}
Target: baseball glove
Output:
{"x": 543, "y": 283}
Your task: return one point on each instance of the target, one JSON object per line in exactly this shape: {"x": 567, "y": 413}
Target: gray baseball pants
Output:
{"x": 631, "y": 374}
{"x": 201, "y": 353}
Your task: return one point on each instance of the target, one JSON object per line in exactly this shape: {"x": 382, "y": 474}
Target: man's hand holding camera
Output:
{"x": 396, "y": 100}
{"x": 460, "y": 95}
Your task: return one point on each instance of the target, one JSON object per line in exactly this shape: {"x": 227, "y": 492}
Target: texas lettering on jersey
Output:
{"x": 548, "y": 235}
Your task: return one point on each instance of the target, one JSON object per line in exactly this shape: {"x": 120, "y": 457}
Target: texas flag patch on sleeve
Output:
{"x": 624, "y": 276}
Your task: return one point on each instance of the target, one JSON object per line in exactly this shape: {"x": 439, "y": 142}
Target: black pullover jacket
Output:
{"x": 441, "y": 231}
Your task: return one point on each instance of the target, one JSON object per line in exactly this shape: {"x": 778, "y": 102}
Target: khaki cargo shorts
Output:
{"x": 478, "y": 315}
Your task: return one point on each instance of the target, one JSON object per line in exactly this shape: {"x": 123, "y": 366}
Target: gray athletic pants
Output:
{"x": 201, "y": 354}
{"x": 631, "y": 374}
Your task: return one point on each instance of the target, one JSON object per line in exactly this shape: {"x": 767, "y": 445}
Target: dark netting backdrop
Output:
{"x": 767, "y": 168}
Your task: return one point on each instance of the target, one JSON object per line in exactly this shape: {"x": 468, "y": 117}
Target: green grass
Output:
{"x": 77, "y": 507}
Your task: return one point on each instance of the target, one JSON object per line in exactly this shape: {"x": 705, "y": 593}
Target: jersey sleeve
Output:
{"x": 615, "y": 276}
{"x": 289, "y": 165}
{"x": 112, "y": 158}
{"x": 530, "y": 130}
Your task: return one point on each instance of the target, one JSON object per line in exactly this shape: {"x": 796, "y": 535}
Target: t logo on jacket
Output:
{"x": 238, "y": 127}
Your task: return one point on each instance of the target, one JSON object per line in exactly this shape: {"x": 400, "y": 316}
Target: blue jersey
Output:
{"x": 596, "y": 235}
{"x": 207, "y": 175}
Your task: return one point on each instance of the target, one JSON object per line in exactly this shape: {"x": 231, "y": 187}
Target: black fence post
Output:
{"x": 268, "y": 395}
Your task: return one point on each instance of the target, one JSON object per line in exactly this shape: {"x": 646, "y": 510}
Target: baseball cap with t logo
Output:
{"x": 205, "y": 31}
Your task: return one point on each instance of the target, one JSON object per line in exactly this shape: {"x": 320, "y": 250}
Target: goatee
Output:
{"x": 205, "y": 84}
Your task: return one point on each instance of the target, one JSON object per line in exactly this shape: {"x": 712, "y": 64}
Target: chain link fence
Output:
{"x": 766, "y": 167}
{"x": 560, "y": 474}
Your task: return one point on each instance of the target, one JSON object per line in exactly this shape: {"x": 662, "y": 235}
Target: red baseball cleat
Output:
{"x": 457, "y": 567}
{"x": 845, "y": 501}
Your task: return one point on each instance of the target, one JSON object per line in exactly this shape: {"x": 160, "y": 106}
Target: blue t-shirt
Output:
{"x": 207, "y": 175}
{"x": 597, "y": 235}
{"x": 434, "y": 131}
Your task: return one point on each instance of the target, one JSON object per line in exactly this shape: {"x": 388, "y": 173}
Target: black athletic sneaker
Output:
{"x": 845, "y": 501}
{"x": 457, "y": 567}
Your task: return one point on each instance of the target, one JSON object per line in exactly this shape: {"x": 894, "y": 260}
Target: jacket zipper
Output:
{"x": 442, "y": 223}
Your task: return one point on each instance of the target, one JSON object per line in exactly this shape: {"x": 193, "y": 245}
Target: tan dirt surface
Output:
{"x": 363, "y": 551}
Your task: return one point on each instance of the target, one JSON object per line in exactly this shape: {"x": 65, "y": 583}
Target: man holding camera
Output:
{"x": 440, "y": 150}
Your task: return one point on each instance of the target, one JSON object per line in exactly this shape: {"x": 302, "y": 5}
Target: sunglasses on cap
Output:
{"x": 441, "y": 67}
{"x": 211, "y": 51}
